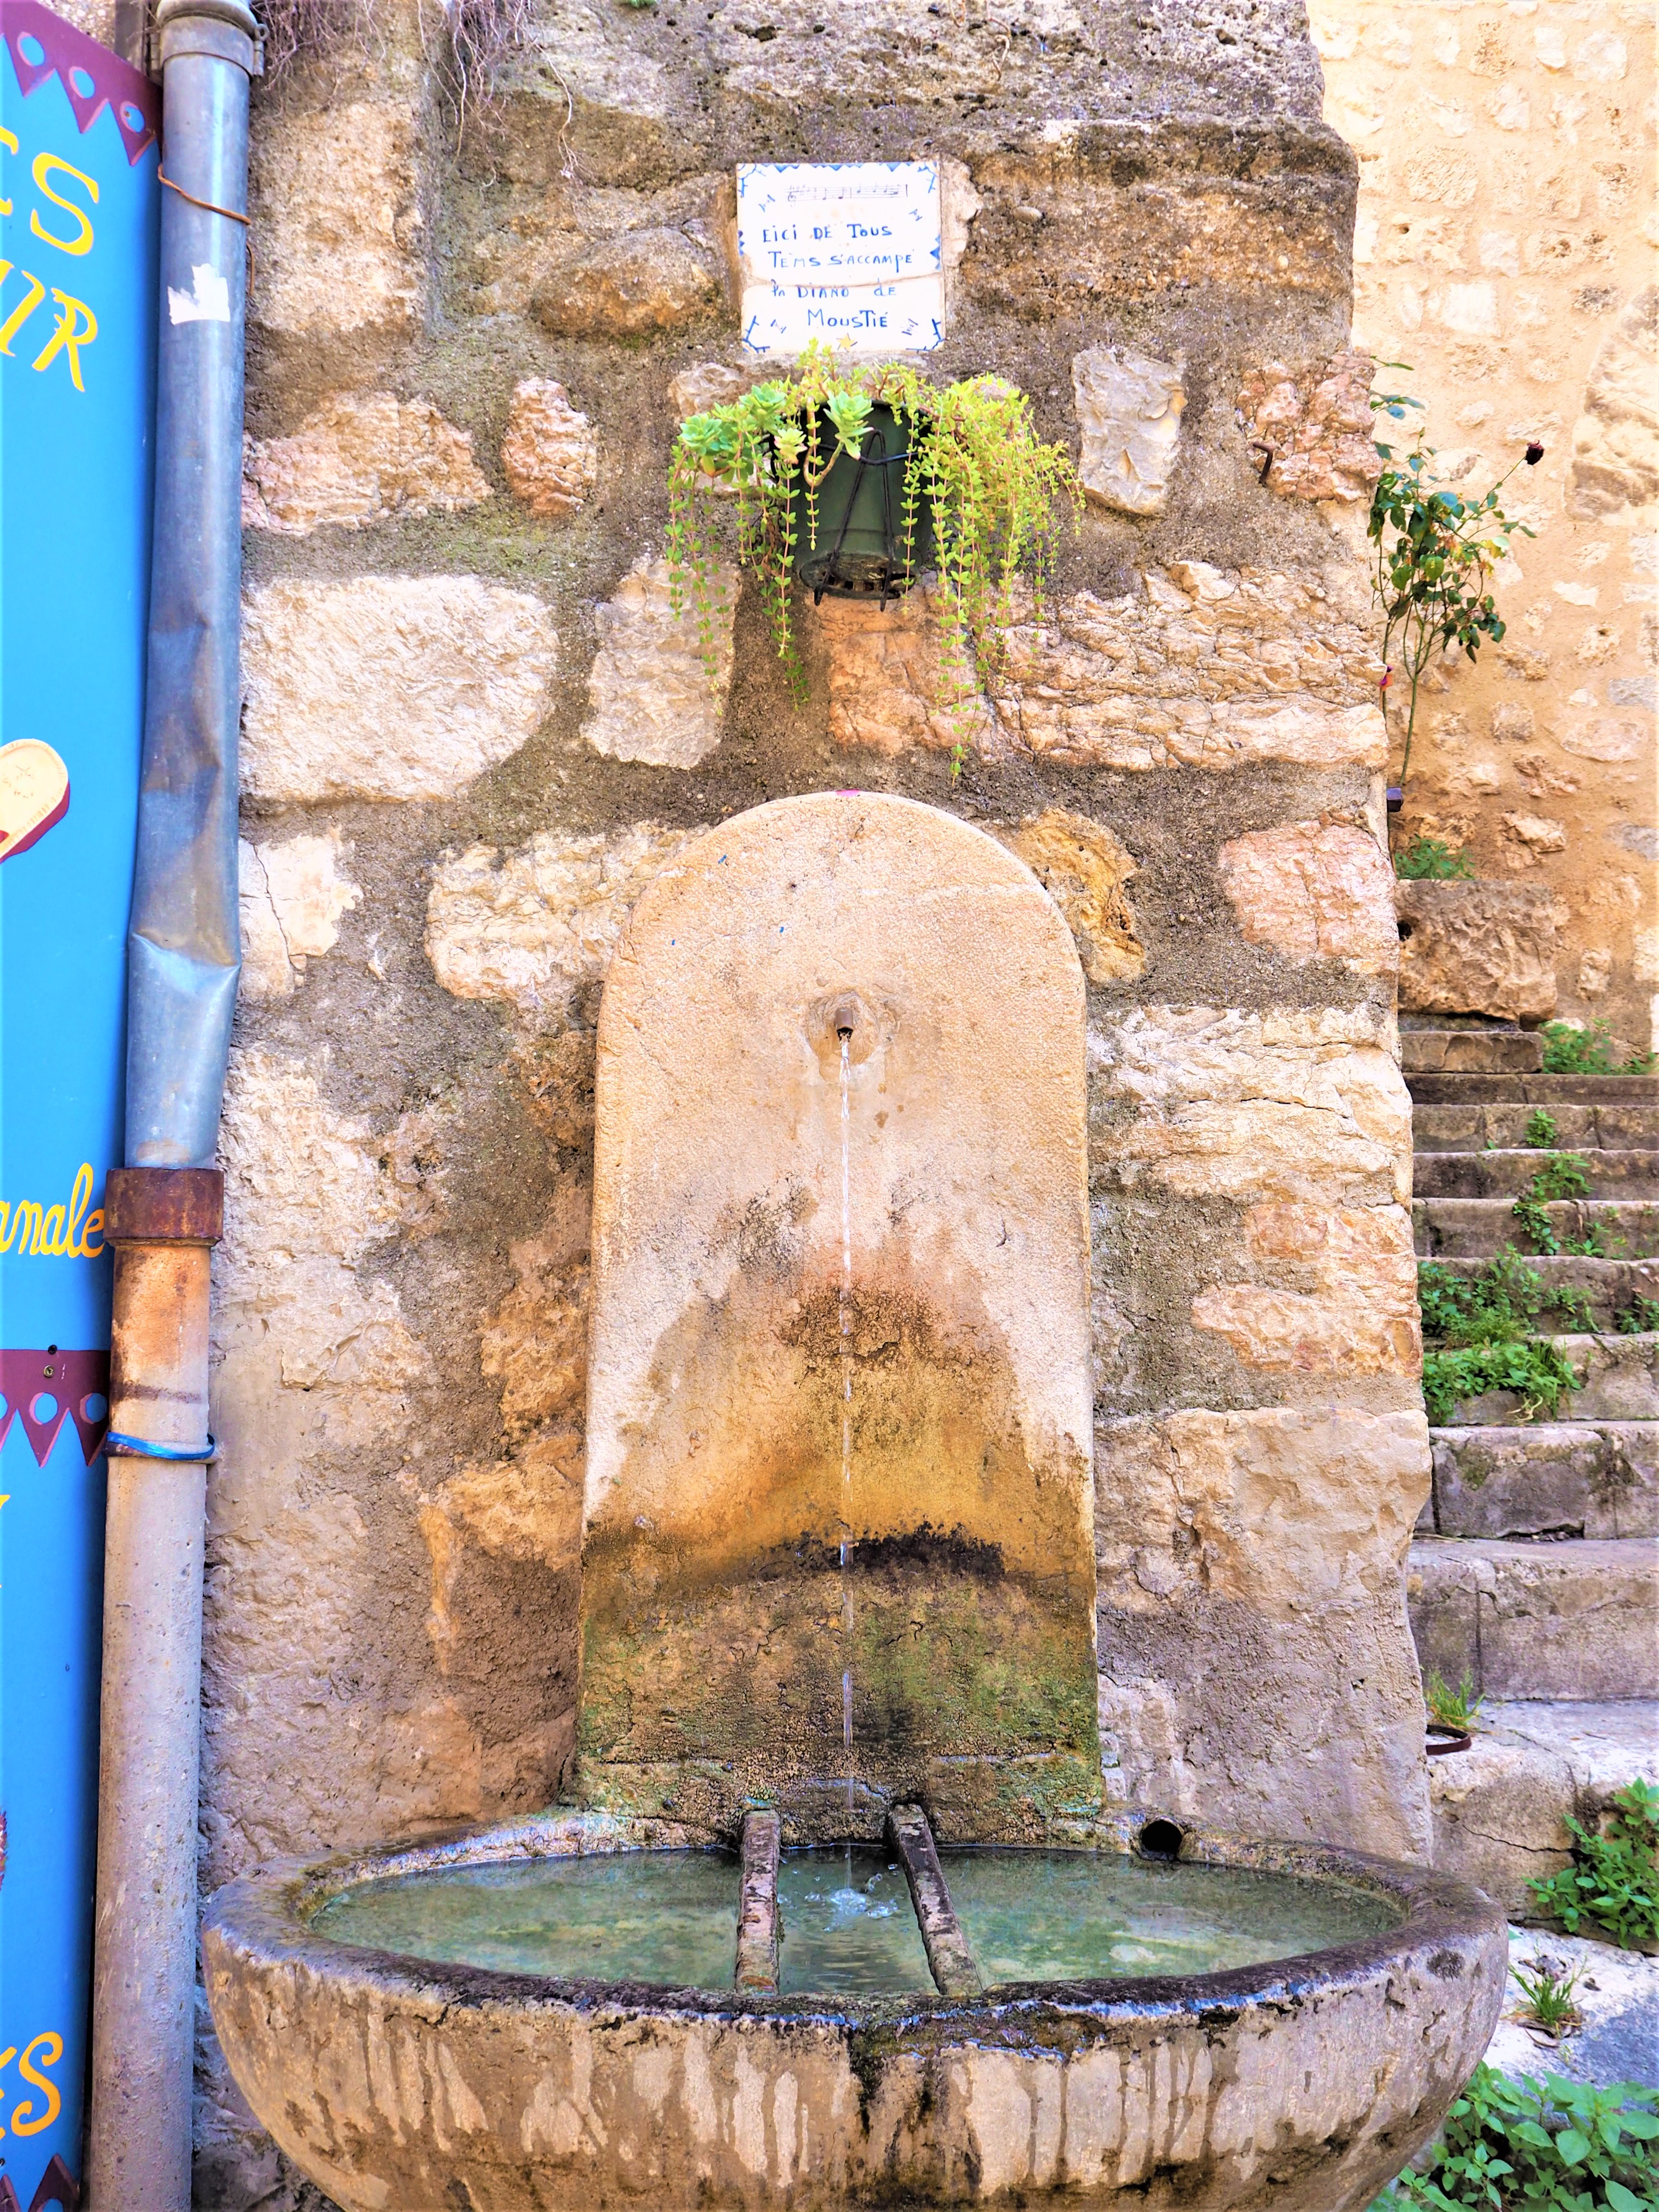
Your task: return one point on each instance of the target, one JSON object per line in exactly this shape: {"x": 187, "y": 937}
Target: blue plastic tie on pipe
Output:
{"x": 126, "y": 1447}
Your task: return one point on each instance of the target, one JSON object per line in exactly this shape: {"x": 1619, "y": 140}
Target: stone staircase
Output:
{"x": 1536, "y": 1567}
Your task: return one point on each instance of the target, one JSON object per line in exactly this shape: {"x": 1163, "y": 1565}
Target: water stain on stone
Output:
{"x": 714, "y": 1582}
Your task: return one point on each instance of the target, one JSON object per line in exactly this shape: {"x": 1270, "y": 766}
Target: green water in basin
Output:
{"x": 1074, "y": 1916}
{"x": 663, "y": 1916}
{"x": 847, "y": 1924}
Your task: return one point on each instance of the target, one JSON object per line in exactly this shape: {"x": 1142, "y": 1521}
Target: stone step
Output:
{"x": 1473, "y": 1127}
{"x": 1618, "y": 1380}
{"x": 1479, "y": 1228}
{"x": 1500, "y": 1808}
{"x": 1574, "y": 1620}
{"x": 1470, "y": 1051}
{"x": 1466, "y": 1090}
{"x": 1508, "y": 1174}
{"x": 1606, "y": 1287}
{"x": 1599, "y": 1480}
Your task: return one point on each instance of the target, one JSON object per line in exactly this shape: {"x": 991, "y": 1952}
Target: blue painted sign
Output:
{"x": 78, "y": 161}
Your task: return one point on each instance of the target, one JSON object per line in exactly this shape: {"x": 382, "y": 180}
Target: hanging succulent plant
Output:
{"x": 856, "y": 479}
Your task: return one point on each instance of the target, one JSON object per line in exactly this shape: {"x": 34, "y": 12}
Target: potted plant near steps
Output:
{"x": 858, "y": 478}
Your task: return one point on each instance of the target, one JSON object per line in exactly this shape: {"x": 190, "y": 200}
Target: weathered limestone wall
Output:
{"x": 1505, "y": 248}
{"x": 472, "y": 738}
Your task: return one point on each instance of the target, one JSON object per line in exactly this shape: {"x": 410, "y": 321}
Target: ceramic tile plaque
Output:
{"x": 847, "y": 252}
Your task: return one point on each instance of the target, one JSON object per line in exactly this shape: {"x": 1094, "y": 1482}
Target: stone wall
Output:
{"x": 473, "y": 733}
{"x": 1503, "y": 248}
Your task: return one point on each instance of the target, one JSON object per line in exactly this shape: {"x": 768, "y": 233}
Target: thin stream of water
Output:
{"x": 845, "y": 1304}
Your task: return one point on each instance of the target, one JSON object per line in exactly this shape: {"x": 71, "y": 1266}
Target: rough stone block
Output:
{"x": 1599, "y": 1480}
{"x": 1085, "y": 871}
{"x": 706, "y": 384}
{"x": 1478, "y": 1228}
{"x": 1528, "y": 838}
{"x": 1316, "y": 427}
{"x": 629, "y": 287}
{"x": 1463, "y": 1052}
{"x": 527, "y": 1509}
{"x": 1075, "y": 226}
{"x": 1569, "y": 1620}
{"x": 1243, "y": 1559}
{"x": 1500, "y": 1811}
{"x": 1479, "y": 948}
{"x": 358, "y": 459}
{"x": 1319, "y": 890}
{"x": 1615, "y": 440}
{"x": 292, "y": 897}
{"x": 536, "y": 929}
{"x": 1208, "y": 668}
{"x": 1507, "y": 1172}
{"x": 549, "y": 452}
{"x": 1350, "y": 1305}
{"x": 888, "y": 691}
{"x": 650, "y": 697}
{"x": 1501, "y": 1807}
{"x": 1307, "y": 1107}
{"x": 388, "y": 687}
{"x": 1128, "y": 411}
{"x": 337, "y": 207}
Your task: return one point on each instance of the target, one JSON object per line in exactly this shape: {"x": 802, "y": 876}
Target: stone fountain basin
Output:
{"x": 398, "y": 2085}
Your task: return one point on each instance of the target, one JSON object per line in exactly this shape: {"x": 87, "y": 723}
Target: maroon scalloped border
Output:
{"x": 69, "y": 1379}
{"x": 67, "y": 52}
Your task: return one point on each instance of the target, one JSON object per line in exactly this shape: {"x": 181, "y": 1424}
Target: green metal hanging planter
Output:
{"x": 858, "y": 544}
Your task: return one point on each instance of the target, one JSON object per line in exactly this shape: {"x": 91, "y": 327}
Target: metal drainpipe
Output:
{"x": 163, "y": 1209}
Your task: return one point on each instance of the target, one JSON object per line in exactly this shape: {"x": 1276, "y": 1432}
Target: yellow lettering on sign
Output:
{"x": 68, "y": 336}
{"x": 44, "y": 165}
{"x": 57, "y": 1232}
{"x": 23, "y": 2122}
{"x": 80, "y": 1199}
{"x": 24, "y": 1230}
{"x": 6, "y": 2057}
{"x": 9, "y": 142}
{"x": 20, "y": 314}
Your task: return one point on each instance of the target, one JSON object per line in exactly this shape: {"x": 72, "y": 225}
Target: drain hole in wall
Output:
{"x": 1160, "y": 1839}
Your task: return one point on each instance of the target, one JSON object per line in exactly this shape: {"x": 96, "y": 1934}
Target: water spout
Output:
{"x": 844, "y": 1013}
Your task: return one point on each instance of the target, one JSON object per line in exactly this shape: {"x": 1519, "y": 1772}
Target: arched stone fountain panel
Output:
{"x": 841, "y": 1297}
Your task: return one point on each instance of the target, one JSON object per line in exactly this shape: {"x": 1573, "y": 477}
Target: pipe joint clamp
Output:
{"x": 224, "y": 30}
{"x": 164, "y": 1205}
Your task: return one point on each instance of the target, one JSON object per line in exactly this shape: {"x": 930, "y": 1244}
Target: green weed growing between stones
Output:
{"x": 1548, "y": 1990}
{"x": 1459, "y": 1708}
{"x": 1541, "y": 1129}
{"x": 1612, "y": 1883}
{"x": 1427, "y": 860}
{"x": 1529, "y": 2146}
{"x": 1563, "y": 1174}
{"x": 1480, "y": 1334}
{"x": 1572, "y": 1051}
{"x": 996, "y": 494}
{"x": 1639, "y": 1317}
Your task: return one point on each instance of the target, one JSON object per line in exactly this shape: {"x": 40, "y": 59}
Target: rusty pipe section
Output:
{"x": 163, "y": 1224}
